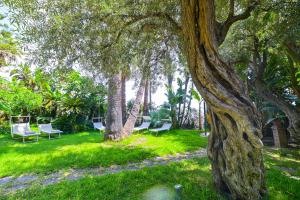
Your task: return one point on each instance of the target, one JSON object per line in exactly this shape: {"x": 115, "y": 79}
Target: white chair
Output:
{"x": 47, "y": 129}
{"x": 99, "y": 126}
{"x": 165, "y": 127}
{"x": 143, "y": 126}
{"x": 23, "y": 130}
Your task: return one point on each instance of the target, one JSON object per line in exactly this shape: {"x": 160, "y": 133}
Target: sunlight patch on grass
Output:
{"x": 88, "y": 149}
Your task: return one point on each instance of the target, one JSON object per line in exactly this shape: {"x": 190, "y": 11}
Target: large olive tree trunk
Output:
{"x": 132, "y": 117}
{"x": 114, "y": 111}
{"x": 235, "y": 148}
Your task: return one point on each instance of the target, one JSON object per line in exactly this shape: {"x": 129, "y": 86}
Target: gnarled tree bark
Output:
{"x": 235, "y": 148}
{"x": 114, "y": 111}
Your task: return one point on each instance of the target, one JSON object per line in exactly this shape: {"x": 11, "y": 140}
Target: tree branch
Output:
{"x": 231, "y": 9}
{"x": 223, "y": 28}
{"x": 138, "y": 18}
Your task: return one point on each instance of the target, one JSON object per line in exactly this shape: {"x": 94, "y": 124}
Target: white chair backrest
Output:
{"x": 45, "y": 127}
{"x": 98, "y": 124}
{"x": 20, "y": 128}
{"x": 166, "y": 126}
{"x": 145, "y": 124}
{"x": 146, "y": 118}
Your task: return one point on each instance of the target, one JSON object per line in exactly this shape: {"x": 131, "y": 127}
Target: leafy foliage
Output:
{"x": 66, "y": 95}
{"x": 8, "y": 45}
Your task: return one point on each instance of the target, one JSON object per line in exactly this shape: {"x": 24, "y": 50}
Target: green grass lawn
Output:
{"x": 194, "y": 175}
{"x": 87, "y": 149}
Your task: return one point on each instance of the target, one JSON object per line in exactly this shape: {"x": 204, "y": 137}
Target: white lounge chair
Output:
{"x": 99, "y": 126}
{"x": 23, "y": 130}
{"x": 143, "y": 126}
{"x": 47, "y": 128}
{"x": 165, "y": 127}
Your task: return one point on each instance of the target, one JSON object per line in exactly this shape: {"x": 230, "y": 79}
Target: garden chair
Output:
{"x": 143, "y": 126}
{"x": 47, "y": 129}
{"x": 97, "y": 123}
{"x": 99, "y": 126}
{"x": 23, "y": 130}
{"x": 166, "y": 127}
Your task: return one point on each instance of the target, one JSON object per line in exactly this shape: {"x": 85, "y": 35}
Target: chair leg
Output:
{"x": 49, "y": 136}
{"x": 23, "y": 139}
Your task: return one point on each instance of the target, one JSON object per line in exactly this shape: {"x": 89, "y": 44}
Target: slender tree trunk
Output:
{"x": 186, "y": 83}
{"x": 188, "y": 106}
{"x": 235, "y": 148}
{"x": 123, "y": 92}
{"x": 114, "y": 111}
{"x": 173, "y": 107}
{"x": 146, "y": 108}
{"x": 150, "y": 95}
{"x": 200, "y": 117}
{"x": 129, "y": 125}
{"x": 279, "y": 134}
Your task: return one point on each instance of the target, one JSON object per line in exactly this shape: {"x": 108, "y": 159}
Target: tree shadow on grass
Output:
{"x": 93, "y": 157}
{"x": 193, "y": 175}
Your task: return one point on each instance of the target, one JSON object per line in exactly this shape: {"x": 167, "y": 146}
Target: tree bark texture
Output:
{"x": 188, "y": 107}
{"x": 150, "y": 95}
{"x": 132, "y": 117}
{"x": 173, "y": 107}
{"x": 235, "y": 148}
{"x": 123, "y": 93}
{"x": 186, "y": 82}
{"x": 200, "y": 117}
{"x": 146, "y": 107}
{"x": 114, "y": 111}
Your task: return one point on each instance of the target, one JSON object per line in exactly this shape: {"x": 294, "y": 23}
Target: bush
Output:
{"x": 71, "y": 123}
{"x": 4, "y": 128}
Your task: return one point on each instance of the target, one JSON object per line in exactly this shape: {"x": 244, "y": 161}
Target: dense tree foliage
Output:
{"x": 208, "y": 37}
{"x": 56, "y": 94}
{"x": 8, "y": 45}
{"x": 266, "y": 46}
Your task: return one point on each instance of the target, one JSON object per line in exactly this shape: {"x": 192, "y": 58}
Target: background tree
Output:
{"x": 263, "y": 58}
{"x": 198, "y": 29}
{"x": 8, "y": 45}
